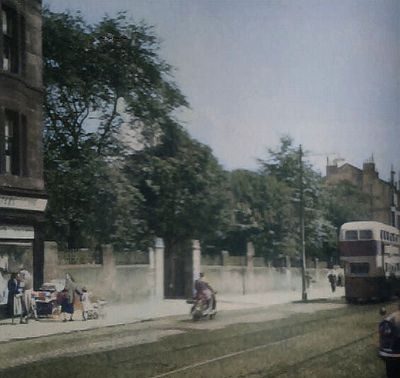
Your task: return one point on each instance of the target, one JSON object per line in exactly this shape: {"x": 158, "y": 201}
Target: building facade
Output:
{"x": 384, "y": 196}
{"x": 22, "y": 195}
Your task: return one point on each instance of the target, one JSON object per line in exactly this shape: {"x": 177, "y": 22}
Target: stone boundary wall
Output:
{"x": 116, "y": 281}
{"x": 109, "y": 280}
{"x": 239, "y": 280}
{"x": 250, "y": 274}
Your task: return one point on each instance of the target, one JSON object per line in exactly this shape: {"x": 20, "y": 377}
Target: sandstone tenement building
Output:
{"x": 22, "y": 195}
{"x": 384, "y": 196}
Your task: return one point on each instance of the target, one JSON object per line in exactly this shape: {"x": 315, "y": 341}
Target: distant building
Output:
{"x": 22, "y": 196}
{"x": 384, "y": 196}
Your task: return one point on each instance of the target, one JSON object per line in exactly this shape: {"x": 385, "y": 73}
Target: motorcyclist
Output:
{"x": 203, "y": 290}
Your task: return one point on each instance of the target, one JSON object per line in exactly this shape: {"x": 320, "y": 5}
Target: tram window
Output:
{"x": 351, "y": 235}
{"x": 365, "y": 234}
{"x": 359, "y": 268}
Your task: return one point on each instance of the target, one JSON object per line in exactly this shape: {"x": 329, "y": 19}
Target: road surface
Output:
{"x": 318, "y": 339}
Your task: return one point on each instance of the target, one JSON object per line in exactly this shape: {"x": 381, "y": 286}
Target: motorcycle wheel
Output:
{"x": 196, "y": 315}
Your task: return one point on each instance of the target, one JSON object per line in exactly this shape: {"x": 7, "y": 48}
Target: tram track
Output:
{"x": 259, "y": 347}
{"x": 216, "y": 341}
{"x": 258, "y": 331}
{"x": 223, "y": 357}
{"x": 317, "y": 356}
{"x": 265, "y": 346}
{"x": 108, "y": 344}
{"x": 179, "y": 353}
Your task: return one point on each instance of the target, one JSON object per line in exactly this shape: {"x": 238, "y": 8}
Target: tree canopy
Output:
{"x": 182, "y": 186}
{"x": 97, "y": 78}
{"x": 108, "y": 77}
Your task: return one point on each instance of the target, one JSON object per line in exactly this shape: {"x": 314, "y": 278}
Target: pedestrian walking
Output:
{"x": 25, "y": 289}
{"x": 12, "y": 286}
{"x": 332, "y": 280}
{"x": 68, "y": 297}
{"x": 340, "y": 280}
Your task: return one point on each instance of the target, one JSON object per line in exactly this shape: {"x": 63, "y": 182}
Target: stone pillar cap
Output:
{"x": 159, "y": 243}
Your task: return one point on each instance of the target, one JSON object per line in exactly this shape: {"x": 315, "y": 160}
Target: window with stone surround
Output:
{"x": 12, "y": 40}
{"x": 12, "y": 143}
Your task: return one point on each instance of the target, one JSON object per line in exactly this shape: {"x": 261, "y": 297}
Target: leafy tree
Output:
{"x": 97, "y": 77}
{"x": 245, "y": 211}
{"x": 280, "y": 221}
{"x": 182, "y": 186}
{"x": 344, "y": 202}
{"x": 284, "y": 176}
{"x": 340, "y": 203}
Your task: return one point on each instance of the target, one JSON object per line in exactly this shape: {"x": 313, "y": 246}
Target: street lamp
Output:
{"x": 301, "y": 216}
{"x": 302, "y": 239}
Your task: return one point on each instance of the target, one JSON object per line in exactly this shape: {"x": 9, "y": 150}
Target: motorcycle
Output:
{"x": 203, "y": 308}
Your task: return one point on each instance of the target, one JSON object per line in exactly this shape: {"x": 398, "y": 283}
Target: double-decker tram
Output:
{"x": 370, "y": 252}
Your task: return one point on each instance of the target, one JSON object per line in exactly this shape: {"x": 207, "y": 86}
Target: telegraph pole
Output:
{"x": 303, "y": 248}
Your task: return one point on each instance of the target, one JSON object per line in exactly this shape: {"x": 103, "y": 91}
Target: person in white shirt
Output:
{"x": 86, "y": 304}
{"x": 26, "y": 285}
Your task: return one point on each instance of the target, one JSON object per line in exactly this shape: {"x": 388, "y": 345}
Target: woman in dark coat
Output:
{"x": 67, "y": 297}
{"x": 66, "y": 306}
{"x": 12, "y": 285}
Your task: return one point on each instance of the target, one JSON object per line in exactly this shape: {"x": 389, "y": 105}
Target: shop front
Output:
{"x": 21, "y": 238}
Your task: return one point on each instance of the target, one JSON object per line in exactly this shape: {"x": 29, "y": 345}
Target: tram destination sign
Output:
{"x": 23, "y": 203}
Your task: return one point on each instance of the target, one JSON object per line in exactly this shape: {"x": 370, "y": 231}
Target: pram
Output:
{"x": 45, "y": 300}
{"x": 91, "y": 309}
{"x": 96, "y": 310}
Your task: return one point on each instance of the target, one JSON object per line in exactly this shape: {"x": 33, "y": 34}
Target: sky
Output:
{"x": 325, "y": 72}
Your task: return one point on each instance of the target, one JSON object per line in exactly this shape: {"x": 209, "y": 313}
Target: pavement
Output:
{"x": 116, "y": 314}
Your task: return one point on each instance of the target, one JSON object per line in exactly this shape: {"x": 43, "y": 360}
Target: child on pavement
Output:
{"x": 66, "y": 306}
{"x": 85, "y": 300}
